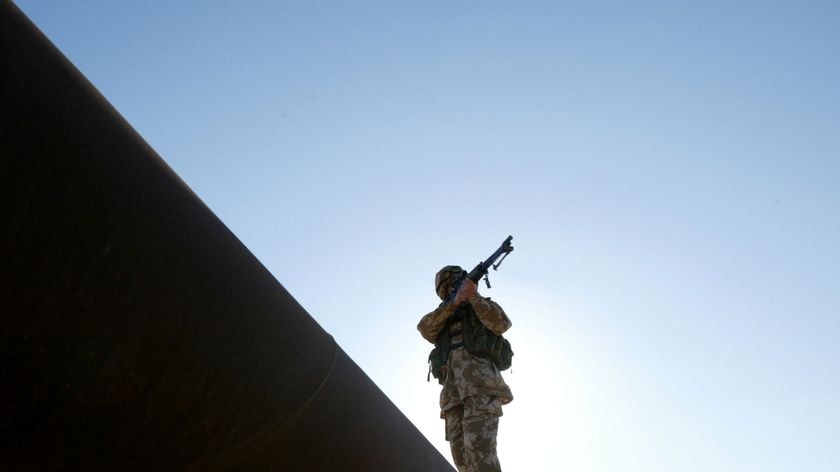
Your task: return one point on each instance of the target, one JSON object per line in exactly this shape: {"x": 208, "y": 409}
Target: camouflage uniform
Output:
{"x": 473, "y": 389}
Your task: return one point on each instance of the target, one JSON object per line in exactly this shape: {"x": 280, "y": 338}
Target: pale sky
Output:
{"x": 669, "y": 172}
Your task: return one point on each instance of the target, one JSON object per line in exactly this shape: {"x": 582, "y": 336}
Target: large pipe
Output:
{"x": 136, "y": 331}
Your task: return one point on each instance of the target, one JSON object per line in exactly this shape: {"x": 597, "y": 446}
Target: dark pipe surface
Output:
{"x": 137, "y": 332}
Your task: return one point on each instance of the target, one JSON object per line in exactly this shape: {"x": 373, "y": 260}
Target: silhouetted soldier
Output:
{"x": 466, "y": 333}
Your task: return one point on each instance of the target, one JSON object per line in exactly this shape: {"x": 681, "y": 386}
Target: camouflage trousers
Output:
{"x": 471, "y": 431}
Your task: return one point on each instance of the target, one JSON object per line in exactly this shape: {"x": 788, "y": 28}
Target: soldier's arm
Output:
{"x": 431, "y": 324}
{"x": 490, "y": 313}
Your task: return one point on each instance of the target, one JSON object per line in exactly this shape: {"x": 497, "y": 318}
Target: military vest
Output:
{"x": 463, "y": 328}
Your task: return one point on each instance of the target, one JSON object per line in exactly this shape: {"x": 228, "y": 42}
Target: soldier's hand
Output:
{"x": 468, "y": 289}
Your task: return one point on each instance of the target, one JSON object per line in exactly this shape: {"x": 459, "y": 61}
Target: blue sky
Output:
{"x": 669, "y": 172}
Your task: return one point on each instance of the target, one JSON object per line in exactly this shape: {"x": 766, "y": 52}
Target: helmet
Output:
{"x": 444, "y": 279}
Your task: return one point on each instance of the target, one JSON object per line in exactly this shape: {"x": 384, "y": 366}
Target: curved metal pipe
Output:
{"x": 137, "y": 332}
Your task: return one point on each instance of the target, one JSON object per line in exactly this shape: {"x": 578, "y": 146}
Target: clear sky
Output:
{"x": 670, "y": 172}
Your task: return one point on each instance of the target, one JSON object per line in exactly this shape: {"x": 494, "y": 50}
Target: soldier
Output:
{"x": 473, "y": 389}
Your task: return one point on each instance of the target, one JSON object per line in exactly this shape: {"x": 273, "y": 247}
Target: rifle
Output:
{"x": 482, "y": 269}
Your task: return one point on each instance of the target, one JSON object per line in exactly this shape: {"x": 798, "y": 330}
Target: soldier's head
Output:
{"x": 445, "y": 278}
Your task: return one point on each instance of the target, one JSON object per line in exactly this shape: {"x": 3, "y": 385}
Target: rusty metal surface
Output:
{"x": 137, "y": 332}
